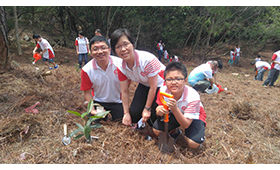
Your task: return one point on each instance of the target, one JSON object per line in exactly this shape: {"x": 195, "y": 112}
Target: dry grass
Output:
{"x": 242, "y": 123}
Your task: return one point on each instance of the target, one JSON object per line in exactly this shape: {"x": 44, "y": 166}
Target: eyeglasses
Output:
{"x": 95, "y": 49}
{"x": 177, "y": 80}
{"x": 119, "y": 47}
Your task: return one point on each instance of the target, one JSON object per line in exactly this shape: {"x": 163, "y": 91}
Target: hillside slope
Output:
{"x": 242, "y": 123}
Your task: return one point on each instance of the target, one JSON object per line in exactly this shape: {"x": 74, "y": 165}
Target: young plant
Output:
{"x": 88, "y": 126}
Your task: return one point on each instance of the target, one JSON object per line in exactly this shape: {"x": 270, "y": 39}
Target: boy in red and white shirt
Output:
{"x": 274, "y": 71}
{"x": 185, "y": 109}
{"x": 47, "y": 51}
{"x": 99, "y": 78}
{"x": 261, "y": 67}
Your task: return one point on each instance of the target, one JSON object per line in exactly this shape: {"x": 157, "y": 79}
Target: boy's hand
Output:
{"x": 172, "y": 104}
{"x": 160, "y": 111}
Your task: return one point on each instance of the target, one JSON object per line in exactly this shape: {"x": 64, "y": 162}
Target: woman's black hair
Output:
{"x": 117, "y": 34}
{"x": 174, "y": 65}
{"x": 220, "y": 64}
{"x": 81, "y": 33}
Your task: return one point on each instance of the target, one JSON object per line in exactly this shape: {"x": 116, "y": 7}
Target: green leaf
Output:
{"x": 80, "y": 126}
{"x": 79, "y": 136}
{"x": 74, "y": 132}
{"x": 96, "y": 125}
{"x": 74, "y": 112}
{"x": 90, "y": 105}
{"x": 102, "y": 114}
{"x": 87, "y": 131}
{"x": 84, "y": 114}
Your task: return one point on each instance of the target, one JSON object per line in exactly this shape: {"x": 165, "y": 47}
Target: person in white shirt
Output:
{"x": 143, "y": 68}
{"x": 82, "y": 48}
{"x": 237, "y": 54}
{"x": 201, "y": 77}
{"x": 274, "y": 71}
{"x": 261, "y": 67}
{"x": 99, "y": 78}
{"x": 47, "y": 51}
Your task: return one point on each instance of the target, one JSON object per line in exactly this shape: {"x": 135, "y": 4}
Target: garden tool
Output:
{"x": 37, "y": 57}
{"x": 66, "y": 140}
{"x": 165, "y": 142}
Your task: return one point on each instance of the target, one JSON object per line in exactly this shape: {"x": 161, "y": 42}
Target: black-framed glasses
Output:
{"x": 177, "y": 80}
{"x": 95, "y": 49}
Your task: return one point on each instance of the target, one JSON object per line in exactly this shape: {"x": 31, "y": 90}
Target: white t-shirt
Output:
{"x": 44, "y": 44}
{"x": 237, "y": 50}
{"x": 105, "y": 84}
{"x": 82, "y": 45}
{"x": 145, "y": 65}
{"x": 189, "y": 103}
{"x": 200, "y": 73}
{"x": 262, "y": 64}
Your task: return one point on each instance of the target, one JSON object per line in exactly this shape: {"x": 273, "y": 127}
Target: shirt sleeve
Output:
{"x": 37, "y": 45}
{"x": 158, "y": 100}
{"x": 274, "y": 56}
{"x": 152, "y": 68}
{"x": 76, "y": 43}
{"x": 86, "y": 84}
{"x": 121, "y": 76}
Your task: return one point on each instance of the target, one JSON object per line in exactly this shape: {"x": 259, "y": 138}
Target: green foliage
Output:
{"x": 86, "y": 129}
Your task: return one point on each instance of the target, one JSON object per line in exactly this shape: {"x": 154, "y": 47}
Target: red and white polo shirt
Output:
{"x": 145, "y": 65}
{"x": 275, "y": 57}
{"x": 105, "y": 84}
{"x": 44, "y": 44}
{"x": 82, "y": 45}
{"x": 189, "y": 103}
{"x": 262, "y": 64}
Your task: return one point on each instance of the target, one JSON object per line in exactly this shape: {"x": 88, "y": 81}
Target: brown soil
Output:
{"x": 242, "y": 123}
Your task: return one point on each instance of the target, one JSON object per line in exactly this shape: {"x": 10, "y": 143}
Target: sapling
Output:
{"x": 86, "y": 129}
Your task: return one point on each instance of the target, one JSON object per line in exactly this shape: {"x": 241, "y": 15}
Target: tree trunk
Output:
{"x": 16, "y": 31}
{"x": 5, "y": 61}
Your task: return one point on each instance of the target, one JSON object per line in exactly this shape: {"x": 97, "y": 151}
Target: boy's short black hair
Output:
{"x": 98, "y": 38}
{"x": 253, "y": 63}
{"x": 117, "y": 34}
{"x": 176, "y": 66}
{"x": 36, "y": 36}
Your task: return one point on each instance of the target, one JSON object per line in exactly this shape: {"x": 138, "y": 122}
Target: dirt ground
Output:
{"x": 242, "y": 123}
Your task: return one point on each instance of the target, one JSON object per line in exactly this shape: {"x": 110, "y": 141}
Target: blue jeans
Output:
{"x": 260, "y": 74}
{"x": 81, "y": 56}
{"x": 160, "y": 52}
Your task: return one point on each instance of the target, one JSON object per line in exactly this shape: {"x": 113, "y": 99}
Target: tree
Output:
{"x": 16, "y": 31}
{"x": 5, "y": 62}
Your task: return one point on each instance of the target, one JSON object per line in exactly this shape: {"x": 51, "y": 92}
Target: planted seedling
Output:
{"x": 86, "y": 129}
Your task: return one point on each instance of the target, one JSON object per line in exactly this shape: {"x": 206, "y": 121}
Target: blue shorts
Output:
{"x": 50, "y": 60}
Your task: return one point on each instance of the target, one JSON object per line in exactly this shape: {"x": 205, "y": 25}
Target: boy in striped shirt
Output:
{"x": 185, "y": 109}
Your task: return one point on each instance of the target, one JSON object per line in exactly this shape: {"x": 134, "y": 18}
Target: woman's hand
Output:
{"x": 146, "y": 115}
{"x": 126, "y": 120}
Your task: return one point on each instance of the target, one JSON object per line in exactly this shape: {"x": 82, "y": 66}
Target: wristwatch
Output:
{"x": 148, "y": 108}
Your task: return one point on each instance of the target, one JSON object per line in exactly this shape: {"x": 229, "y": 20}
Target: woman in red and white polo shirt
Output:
{"x": 141, "y": 67}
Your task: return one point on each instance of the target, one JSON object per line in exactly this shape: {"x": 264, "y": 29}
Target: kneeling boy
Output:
{"x": 186, "y": 109}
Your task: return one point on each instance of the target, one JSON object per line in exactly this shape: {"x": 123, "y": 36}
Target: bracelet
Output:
{"x": 148, "y": 108}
